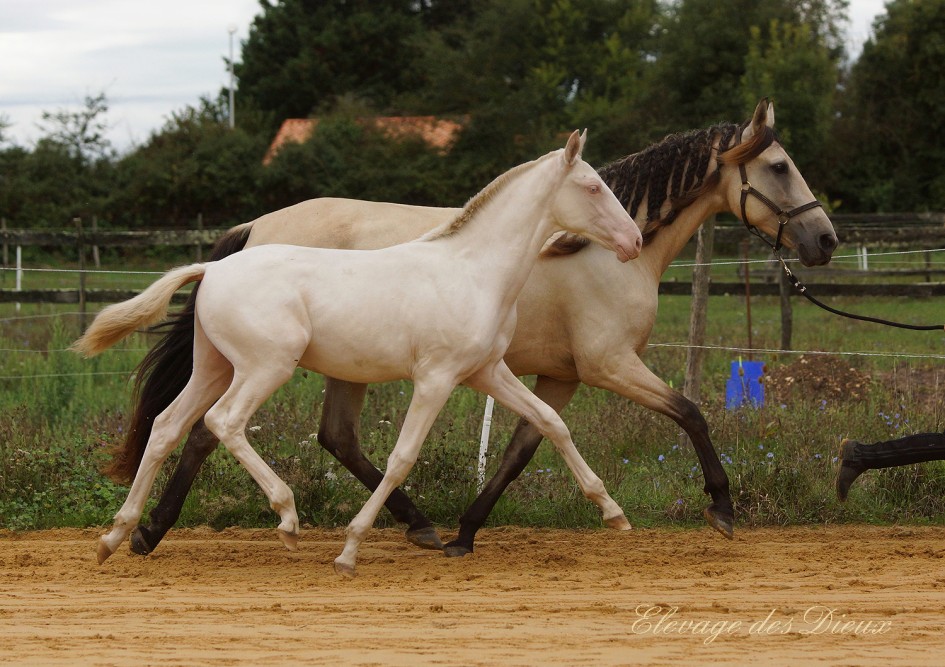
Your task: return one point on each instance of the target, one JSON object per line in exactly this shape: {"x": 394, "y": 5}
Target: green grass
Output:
{"x": 58, "y": 413}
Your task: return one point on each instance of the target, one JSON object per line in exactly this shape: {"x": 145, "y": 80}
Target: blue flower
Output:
{"x": 661, "y": 458}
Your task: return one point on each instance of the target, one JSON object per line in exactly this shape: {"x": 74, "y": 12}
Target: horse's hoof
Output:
{"x": 849, "y": 470}
{"x": 290, "y": 540}
{"x": 140, "y": 544}
{"x": 344, "y": 569}
{"x": 722, "y": 524}
{"x": 618, "y": 522}
{"x": 454, "y": 550}
{"x": 425, "y": 538}
{"x": 104, "y": 551}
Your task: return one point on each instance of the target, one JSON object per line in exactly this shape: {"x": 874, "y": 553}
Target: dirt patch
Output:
{"x": 661, "y": 597}
{"x": 822, "y": 376}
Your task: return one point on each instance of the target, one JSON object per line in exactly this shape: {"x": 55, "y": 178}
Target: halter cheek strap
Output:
{"x": 783, "y": 216}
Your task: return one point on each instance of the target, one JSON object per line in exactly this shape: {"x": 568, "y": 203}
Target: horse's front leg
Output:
{"x": 338, "y": 434}
{"x": 631, "y": 378}
{"x": 501, "y": 384}
{"x": 519, "y": 452}
{"x": 198, "y": 446}
{"x": 429, "y": 396}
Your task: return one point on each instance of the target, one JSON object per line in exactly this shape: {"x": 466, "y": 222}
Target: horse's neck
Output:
{"x": 510, "y": 229}
{"x": 671, "y": 239}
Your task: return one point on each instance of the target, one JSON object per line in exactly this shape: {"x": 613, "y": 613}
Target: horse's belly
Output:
{"x": 334, "y": 358}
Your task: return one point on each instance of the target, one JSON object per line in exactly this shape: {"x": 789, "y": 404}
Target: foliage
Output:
{"x": 703, "y": 53}
{"x": 196, "y": 165}
{"x": 81, "y": 133}
{"x": 303, "y": 54}
{"x": 796, "y": 70}
{"x": 347, "y": 158}
{"x": 893, "y": 114}
{"x": 519, "y": 73}
{"x": 58, "y": 413}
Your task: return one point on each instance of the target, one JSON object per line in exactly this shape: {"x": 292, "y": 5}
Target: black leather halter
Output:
{"x": 783, "y": 216}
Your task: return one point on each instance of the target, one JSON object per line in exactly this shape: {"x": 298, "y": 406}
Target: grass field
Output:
{"x": 58, "y": 413}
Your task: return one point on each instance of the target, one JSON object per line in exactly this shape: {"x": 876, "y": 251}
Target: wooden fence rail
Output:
{"x": 915, "y": 230}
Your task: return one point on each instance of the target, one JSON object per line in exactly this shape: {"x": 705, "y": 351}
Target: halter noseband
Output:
{"x": 783, "y": 216}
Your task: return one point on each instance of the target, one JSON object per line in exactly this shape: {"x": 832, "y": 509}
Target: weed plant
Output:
{"x": 60, "y": 413}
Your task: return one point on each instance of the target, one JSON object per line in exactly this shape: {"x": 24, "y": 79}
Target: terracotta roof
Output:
{"x": 436, "y": 132}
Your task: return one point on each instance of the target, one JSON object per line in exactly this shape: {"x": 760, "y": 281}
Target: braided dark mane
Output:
{"x": 675, "y": 170}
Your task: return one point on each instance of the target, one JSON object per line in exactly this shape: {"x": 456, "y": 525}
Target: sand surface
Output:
{"x": 792, "y": 596}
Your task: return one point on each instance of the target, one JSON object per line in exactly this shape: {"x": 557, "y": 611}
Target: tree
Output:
{"x": 68, "y": 173}
{"x": 794, "y": 67}
{"x": 704, "y": 52}
{"x": 195, "y": 165}
{"x": 302, "y": 54}
{"x": 892, "y": 114}
{"x": 81, "y": 133}
{"x": 349, "y": 158}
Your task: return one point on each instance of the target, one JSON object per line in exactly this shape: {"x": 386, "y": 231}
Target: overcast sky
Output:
{"x": 149, "y": 57}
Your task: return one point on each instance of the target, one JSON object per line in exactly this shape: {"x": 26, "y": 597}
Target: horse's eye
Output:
{"x": 593, "y": 189}
{"x": 780, "y": 167}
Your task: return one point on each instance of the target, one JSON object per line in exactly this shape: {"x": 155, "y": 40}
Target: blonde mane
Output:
{"x": 484, "y": 196}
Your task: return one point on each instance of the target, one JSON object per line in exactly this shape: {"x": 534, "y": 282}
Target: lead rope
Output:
{"x": 783, "y": 218}
{"x": 803, "y": 290}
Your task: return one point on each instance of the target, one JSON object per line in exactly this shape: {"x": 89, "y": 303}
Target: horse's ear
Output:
{"x": 575, "y": 146}
{"x": 764, "y": 115}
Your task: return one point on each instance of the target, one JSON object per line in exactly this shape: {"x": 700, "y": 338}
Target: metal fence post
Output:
{"x": 80, "y": 247}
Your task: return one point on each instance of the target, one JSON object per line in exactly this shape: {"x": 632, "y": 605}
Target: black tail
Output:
{"x": 164, "y": 371}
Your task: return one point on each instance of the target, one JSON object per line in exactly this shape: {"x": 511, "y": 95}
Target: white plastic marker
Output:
{"x": 484, "y": 441}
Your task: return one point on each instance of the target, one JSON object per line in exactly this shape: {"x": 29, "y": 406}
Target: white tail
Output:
{"x": 120, "y": 320}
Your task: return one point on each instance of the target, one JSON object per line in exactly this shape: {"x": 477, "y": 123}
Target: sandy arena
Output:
{"x": 792, "y": 596}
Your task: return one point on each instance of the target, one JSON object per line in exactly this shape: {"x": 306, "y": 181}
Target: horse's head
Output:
{"x": 586, "y": 206}
{"x": 769, "y": 194}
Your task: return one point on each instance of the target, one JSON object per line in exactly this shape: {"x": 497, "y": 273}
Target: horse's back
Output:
{"x": 331, "y": 222}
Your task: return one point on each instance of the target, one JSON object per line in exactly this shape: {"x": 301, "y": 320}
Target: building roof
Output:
{"x": 436, "y": 132}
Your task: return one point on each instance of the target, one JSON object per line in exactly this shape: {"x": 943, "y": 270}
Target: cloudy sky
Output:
{"x": 149, "y": 57}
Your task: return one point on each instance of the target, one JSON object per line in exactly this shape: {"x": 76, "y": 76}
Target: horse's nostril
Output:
{"x": 828, "y": 242}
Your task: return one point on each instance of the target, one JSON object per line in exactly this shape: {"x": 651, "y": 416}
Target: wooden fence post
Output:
{"x": 695, "y": 354}
{"x": 199, "y": 244}
{"x": 80, "y": 247}
{"x": 6, "y": 248}
{"x": 96, "y": 260}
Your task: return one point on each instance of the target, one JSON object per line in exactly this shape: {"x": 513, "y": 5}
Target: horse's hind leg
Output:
{"x": 206, "y": 384}
{"x": 338, "y": 434}
{"x": 198, "y": 446}
{"x": 519, "y": 452}
{"x": 228, "y": 418}
{"x": 501, "y": 383}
